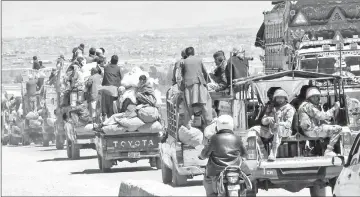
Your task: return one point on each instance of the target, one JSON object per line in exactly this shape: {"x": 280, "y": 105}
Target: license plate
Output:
{"x": 134, "y": 154}
{"x": 233, "y": 187}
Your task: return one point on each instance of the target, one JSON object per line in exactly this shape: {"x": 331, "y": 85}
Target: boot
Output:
{"x": 273, "y": 152}
{"x": 329, "y": 152}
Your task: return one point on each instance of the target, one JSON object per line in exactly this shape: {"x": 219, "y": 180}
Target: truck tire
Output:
{"x": 317, "y": 191}
{"x": 104, "y": 165}
{"x": 166, "y": 174}
{"x": 4, "y": 142}
{"x": 68, "y": 149}
{"x": 177, "y": 179}
{"x": 13, "y": 141}
{"x": 75, "y": 151}
{"x": 253, "y": 191}
{"x": 46, "y": 143}
{"x": 158, "y": 163}
{"x": 59, "y": 142}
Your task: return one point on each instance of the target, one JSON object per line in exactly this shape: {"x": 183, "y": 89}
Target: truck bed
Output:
{"x": 301, "y": 162}
{"x": 82, "y": 134}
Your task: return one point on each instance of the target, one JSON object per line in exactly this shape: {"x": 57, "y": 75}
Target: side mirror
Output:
{"x": 338, "y": 161}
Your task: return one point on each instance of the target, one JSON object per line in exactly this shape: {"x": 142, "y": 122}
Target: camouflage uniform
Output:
{"x": 312, "y": 121}
{"x": 284, "y": 115}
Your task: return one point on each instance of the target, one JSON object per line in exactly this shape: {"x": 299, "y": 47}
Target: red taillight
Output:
{"x": 251, "y": 148}
{"x": 179, "y": 154}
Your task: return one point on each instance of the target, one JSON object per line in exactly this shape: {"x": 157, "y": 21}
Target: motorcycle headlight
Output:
{"x": 232, "y": 177}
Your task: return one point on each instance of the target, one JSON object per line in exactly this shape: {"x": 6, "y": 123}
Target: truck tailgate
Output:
{"x": 81, "y": 133}
{"x": 302, "y": 162}
{"x": 132, "y": 141}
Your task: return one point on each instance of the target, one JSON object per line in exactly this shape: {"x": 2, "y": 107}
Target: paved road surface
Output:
{"x": 40, "y": 171}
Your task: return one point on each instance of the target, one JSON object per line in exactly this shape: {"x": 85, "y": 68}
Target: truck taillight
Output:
{"x": 251, "y": 148}
{"x": 179, "y": 153}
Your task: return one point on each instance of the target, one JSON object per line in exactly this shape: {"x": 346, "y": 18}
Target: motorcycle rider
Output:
{"x": 312, "y": 119}
{"x": 224, "y": 149}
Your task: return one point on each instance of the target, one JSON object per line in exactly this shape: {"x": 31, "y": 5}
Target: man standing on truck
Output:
{"x": 277, "y": 121}
{"x": 93, "y": 84}
{"x": 224, "y": 149}
{"x": 239, "y": 64}
{"x": 196, "y": 93}
{"x": 219, "y": 76}
{"x": 112, "y": 77}
{"x": 312, "y": 117}
{"x": 36, "y": 65}
{"x": 178, "y": 65}
{"x": 91, "y": 56}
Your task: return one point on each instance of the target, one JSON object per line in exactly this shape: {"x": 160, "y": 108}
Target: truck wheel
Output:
{"x": 152, "y": 162}
{"x": 68, "y": 149}
{"x": 75, "y": 151}
{"x": 177, "y": 179}
{"x": 253, "y": 191}
{"x": 158, "y": 163}
{"x": 4, "y": 142}
{"x": 59, "y": 142}
{"x": 317, "y": 191}
{"x": 13, "y": 141}
{"x": 166, "y": 173}
{"x": 46, "y": 143}
{"x": 104, "y": 165}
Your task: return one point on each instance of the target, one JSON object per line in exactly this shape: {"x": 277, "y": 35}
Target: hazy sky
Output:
{"x": 40, "y": 18}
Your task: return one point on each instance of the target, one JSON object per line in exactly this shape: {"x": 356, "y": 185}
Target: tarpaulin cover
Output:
{"x": 292, "y": 87}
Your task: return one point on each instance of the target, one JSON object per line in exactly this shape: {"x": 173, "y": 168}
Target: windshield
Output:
{"x": 329, "y": 65}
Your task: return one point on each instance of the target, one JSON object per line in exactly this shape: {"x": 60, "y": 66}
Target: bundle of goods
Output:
{"x": 35, "y": 121}
{"x": 193, "y": 136}
{"x": 143, "y": 118}
{"x": 131, "y": 80}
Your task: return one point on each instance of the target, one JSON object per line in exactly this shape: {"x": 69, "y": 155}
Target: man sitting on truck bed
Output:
{"x": 312, "y": 119}
{"x": 278, "y": 120}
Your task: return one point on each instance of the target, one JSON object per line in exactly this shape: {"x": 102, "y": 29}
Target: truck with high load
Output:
{"x": 34, "y": 110}
{"x": 317, "y": 36}
{"x": 132, "y": 138}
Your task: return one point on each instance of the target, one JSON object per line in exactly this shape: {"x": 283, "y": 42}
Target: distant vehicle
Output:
{"x": 348, "y": 182}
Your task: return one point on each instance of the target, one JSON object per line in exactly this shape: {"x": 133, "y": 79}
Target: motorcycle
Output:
{"x": 233, "y": 182}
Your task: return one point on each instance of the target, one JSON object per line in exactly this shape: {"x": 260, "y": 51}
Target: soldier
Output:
{"x": 276, "y": 122}
{"x": 312, "y": 118}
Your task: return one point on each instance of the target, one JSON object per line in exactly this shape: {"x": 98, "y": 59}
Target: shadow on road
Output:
{"x": 39, "y": 145}
{"x": 49, "y": 149}
{"x": 192, "y": 184}
{"x": 114, "y": 170}
{"x": 67, "y": 159}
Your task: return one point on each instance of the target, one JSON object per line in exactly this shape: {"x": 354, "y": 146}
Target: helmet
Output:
{"x": 121, "y": 89}
{"x": 280, "y": 92}
{"x": 312, "y": 91}
{"x": 225, "y": 122}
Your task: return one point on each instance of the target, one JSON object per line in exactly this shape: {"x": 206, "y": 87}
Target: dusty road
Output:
{"x": 40, "y": 171}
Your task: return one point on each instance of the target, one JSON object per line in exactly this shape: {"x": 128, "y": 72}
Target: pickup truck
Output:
{"x": 179, "y": 162}
{"x": 77, "y": 138}
{"x": 129, "y": 146}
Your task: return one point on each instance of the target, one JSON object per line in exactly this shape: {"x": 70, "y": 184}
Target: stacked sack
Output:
{"x": 35, "y": 121}
{"x": 145, "y": 119}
